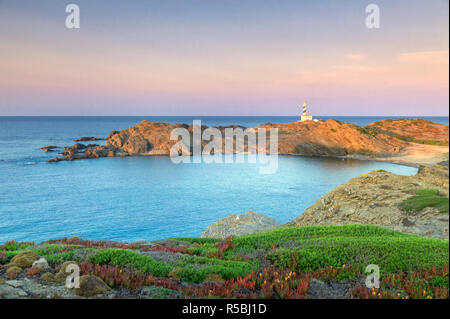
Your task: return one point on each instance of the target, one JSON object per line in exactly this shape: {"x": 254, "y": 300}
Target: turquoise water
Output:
{"x": 145, "y": 198}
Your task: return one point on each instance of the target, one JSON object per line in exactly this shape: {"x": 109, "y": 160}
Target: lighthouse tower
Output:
{"x": 305, "y": 116}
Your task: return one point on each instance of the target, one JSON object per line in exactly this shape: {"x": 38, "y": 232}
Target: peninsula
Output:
{"x": 407, "y": 141}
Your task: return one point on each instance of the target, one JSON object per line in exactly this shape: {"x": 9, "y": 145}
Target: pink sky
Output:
{"x": 266, "y": 66}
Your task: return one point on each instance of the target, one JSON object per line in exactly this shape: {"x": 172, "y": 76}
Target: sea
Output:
{"x": 148, "y": 198}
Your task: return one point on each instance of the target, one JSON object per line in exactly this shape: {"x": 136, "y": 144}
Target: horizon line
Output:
{"x": 222, "y": 115}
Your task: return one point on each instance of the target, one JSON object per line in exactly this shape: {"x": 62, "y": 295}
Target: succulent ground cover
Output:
{"x": 282, "y": 263}
{"x": 425, "y": 197}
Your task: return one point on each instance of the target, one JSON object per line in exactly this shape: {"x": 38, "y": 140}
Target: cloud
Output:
{"x": 354, "y": 57}
{"x": 425, "y": 57}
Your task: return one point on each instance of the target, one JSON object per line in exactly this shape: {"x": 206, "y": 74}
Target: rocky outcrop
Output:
{"x": 81, "y": 151}
{"x": 22, "y": 260}
{"x": 373, "y": 198}
{"x": 87, "y": 138}
{"x": 47, "y": 149}
{"x": 9, "y": 292}
{"x": 91, "y": 286}
{"x": 386, "y": 139}
{"x": 239, "y": 225}
{"x": 146, "y": 138}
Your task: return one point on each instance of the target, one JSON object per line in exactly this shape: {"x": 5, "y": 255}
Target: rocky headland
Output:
{"x": 408, "y": 141}
{"x": 377, "y": 198}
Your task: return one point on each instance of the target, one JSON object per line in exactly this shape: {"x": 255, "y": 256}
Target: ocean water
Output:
{"x": 147, "y": 198}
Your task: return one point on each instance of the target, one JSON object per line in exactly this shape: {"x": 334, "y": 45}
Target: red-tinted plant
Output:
{"x": 33, "y": 271}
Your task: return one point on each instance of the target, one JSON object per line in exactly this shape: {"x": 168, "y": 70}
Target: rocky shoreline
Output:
{"x": 374, "y": 217}
{"x": 402, "y": 141}
{"x": 371, "y": 198}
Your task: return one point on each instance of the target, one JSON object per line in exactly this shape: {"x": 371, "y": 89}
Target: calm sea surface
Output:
{"x": 147, "y": 198}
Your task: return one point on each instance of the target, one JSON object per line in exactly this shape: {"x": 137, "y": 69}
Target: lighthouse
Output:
{"x": 305, "y": 115}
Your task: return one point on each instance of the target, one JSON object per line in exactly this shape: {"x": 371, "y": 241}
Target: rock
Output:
{"x": 48, "y": 276}
{"x": 239, "y": 225}
{"x": 26, "y": 253}
{"x": 318, "y": 289}
{"x": 75, "y": 148}
{"x": 87, "y": 138}
{"x": 8, "y": 292}
{"x": 112, "y": 133}
{"x": 60, "y": 277}
{"x": 24, "y": 259}
{"x": 91, "y": 286}
{"x": 81, "y": 151}
{"x": 54, "y": 160}
{"x": 14, "y": 270}
{"x": 41, "y": 263}
{"x": 14, "y": 283}
{"x": 373, "y": 198}
{"x": 49, "y": 148}
{"x": 156, "y": 292}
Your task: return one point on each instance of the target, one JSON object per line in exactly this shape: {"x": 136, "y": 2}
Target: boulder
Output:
{"x": 8, "y": 292}
{"x": 91, "y": 286}
{"x": 48, "y": 276}
{"x": 24, "y": 259}
{"x": 14, "y": 270}
{"x": 41, "y": 263}
{"x": 60, "y": 277}
{"x": 239, "y": 225}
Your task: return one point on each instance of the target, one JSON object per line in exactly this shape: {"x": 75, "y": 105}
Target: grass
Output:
{"x": 425, "y": 198}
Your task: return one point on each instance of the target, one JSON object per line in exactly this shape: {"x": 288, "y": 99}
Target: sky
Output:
{"x": 224, "y": 57}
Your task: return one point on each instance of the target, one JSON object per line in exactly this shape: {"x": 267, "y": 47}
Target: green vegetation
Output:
{"x": 277, "y": 263}
{"x": 425, "y": 198}
{"x": 367, "y": 130}
{"x": 316, "y": 247}
{"x": 120, "y": 257}
{"x": 196, "y": 269}
{"x": 310, "y": 248}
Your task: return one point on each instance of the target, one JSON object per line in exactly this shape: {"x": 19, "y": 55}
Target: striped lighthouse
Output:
{"x": 305, "y": 115}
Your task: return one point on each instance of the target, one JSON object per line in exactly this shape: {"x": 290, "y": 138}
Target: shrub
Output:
{"x": 58, "y": 258}
{"x": 3, "y": 258}
{"x": 118, "y": 257}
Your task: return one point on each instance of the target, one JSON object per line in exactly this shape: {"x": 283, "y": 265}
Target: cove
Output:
{"x": 149, "y": 198}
